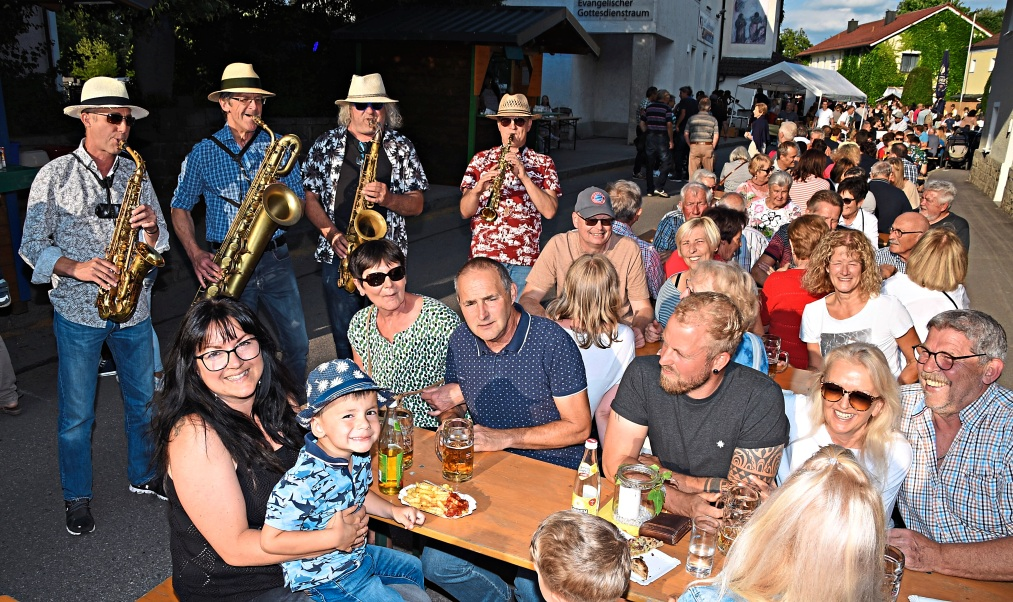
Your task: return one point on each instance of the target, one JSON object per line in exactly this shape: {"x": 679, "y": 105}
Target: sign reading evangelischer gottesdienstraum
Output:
{"x": 615, "y": 9}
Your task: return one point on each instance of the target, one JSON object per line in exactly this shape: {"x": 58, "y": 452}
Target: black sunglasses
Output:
{"x": 860, "y": 400}
{"x": 362, "y": 106}
{"x": 591, "y": 222}
{"x": 378, "y": 278}
{"x": 116, "y": 118}
{"x": 518, "y": 121}
{"x": 107, "y": 210}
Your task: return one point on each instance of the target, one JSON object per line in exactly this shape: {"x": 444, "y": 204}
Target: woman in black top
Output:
{"x": 759, "y": 131}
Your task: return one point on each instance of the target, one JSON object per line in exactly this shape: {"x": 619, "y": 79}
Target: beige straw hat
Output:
{"x": 105, "y": 92}
{"x": 240, "y": 78}
{"x": 366, "y": 88}
{"x": 514, "y": 105}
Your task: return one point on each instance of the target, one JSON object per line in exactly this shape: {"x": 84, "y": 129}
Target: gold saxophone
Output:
{"x": 491, "y": 210}
{"x": 133, "y": 258}
{"x": 365, "y": 224}
{"x": 268, "y": 205}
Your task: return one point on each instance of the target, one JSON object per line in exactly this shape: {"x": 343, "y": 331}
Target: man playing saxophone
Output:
{"x": 333, "y": 169}
{"x": 72, "y": 213}
{"x": 530, "y": 191}
{"x": 221, "y": 168}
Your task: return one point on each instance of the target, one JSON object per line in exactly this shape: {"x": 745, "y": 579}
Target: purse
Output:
{"x": 669, "y": 528}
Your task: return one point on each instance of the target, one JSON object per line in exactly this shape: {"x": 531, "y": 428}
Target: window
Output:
{"x": 974, "y": 63}
{"x": 908, "y": 61}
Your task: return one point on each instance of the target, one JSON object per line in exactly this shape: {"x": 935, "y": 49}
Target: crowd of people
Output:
{"x": 267, "y": 481}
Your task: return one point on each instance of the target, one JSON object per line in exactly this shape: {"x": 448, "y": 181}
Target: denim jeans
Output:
{"x": 519, "y": 274}
{"x": 461, "y": 578}
{"x": 149, "y": 281}
{"x": 79, "y": 349}
{"x": 273, "y": 284}
{"x": 380, "y": 567}
{"x": 341, "y": 306}
{"x": 658, "y": 157}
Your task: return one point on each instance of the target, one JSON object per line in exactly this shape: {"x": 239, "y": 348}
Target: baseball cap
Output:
{"x": 333, "y": 379}
{"x": 594, "y": 201}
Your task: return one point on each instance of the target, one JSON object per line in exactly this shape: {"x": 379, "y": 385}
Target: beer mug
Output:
{"x": 893, "y": 560}
{"x": 457, "y": 442}
{"x": 772, "y": 343}
{"x": 740, "y": 501}
{"x": 777, "y": 363}
{"x": 407, "y": 420}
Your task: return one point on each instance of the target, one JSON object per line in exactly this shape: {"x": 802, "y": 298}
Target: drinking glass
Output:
{"x": 702, "y": 541}
{"x": 407, "y": 420}
{"x": 776, "y": 363}
{"x": 894, "y": 566}
{"x": 772, "y": 343}
{"x": 457, "y": 440}
{"x": 739, "y": 503}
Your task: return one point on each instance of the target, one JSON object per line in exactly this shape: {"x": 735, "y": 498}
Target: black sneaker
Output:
{"x": 107, "y": 367}
{"x": 79, "y": 520}
{"x": 154, "y": 486}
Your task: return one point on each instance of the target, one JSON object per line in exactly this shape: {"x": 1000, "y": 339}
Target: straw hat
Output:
{"x": 239, "y": 78}
{"x": 514, "y": 105}
{"x": 105, "y": 92}
{"x": 366, "y": 88}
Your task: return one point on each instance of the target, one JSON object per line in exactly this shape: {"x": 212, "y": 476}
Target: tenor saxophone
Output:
{"x": 133, "y": 258}
{"x": 268, "y": 205}
{"x": 365, "y": 223}
{"x": 491, "y": 210}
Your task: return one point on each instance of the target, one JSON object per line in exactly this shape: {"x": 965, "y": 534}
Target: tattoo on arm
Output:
{"x": 712, "y": 485}
{"x": 762, "y": 463}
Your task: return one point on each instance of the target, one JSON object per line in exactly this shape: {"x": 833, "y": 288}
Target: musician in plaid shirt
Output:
{"x": 957, "y": 500}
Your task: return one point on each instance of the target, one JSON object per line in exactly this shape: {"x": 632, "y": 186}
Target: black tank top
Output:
{"x": 198, "y": 572}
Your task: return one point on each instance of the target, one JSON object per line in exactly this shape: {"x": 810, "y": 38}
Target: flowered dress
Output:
{"x": 768, "y": 220}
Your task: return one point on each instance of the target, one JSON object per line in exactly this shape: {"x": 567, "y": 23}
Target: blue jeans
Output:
{"x": 149, "y": 281}
{"x": 341, "y": 306}
{"x": 79, "y": 349}
{"x": 461, "y": 578}
{"x": 380, "y": 567}
{"x": 519, "y": 274}
{"x": 273, "y": 284}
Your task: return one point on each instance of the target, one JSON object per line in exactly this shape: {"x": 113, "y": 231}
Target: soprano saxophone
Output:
{"x": 491, "y": 210}
{"x": 133, "y": 258}
{"x": 365, "y": 223}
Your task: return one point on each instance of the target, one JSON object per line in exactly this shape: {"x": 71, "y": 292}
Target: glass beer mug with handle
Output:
{"x": 456, "y": 445}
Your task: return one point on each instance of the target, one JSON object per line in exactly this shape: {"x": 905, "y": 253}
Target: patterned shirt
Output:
{"x": 318, "y": 487}
{"x": 515, "y": 387}
{"x": 885, "y": 257}
{"x": 779, "y": 248}
{"x": 323, "y": 166}
{"x": 702, "y": 127}
{"x": 910, "y": 171}
{"x": 657, "y": 116}
{"x": 223, "y": 181}
{"x": 969, "y": 497}
{"x": 652, "y": 261}
{"x": 513, "y": 237}
{"x": 753, "y": 244}
{"x": 768, "y": 220}
{"x": 61, "y": 222}
{"x": 416, "y": 358}
{"x": 664, "y": 237}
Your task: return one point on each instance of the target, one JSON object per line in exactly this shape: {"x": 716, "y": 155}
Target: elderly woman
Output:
{"x": 808, "y": 178}
{"x": 843, "y": 267}
{"x": 832, "y": 506}
{"x": 769, "y": 214}
{"x": 696, "y": 240}
{"x": 854, "y": 404}
{"x": 755, "y": 188}
{"x": 934, "y": 280}
{"x": 736, "y": 170}
{"x": 588, "y": 310}
{"x": 401, "y": 339}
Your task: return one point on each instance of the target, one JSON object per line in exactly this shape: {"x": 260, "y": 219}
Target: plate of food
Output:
{"x": 439, "y": 500}
{"x": 649, "y": 562}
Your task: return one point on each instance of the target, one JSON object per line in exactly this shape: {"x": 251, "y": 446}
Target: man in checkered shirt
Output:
{"x": 957, "y": 499}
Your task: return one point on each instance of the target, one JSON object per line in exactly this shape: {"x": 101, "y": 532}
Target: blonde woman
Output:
{"x": 899, "y": 181}
{"x": 844, "y": 267}
{"x": 854, "y": 404}
{"x": 588, "y": 310}
{"x": 830, "y": 505}
{"x": 934, "y": 280}
{"x": 696, "y": 240}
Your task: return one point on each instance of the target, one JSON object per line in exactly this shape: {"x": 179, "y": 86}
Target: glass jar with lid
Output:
{"x": 635, "y": 503}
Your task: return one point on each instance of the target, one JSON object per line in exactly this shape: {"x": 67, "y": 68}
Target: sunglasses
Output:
{"x": 859, "y": 400}
{"x": 518, "y": 121}
{"x": 591, "y": 222}
{"x": 847, "y": 200}
{"x": 116, "y": 118}
{"x": 378, "y": 278}
{"x": 107, "y": 211}
{"x": 362, "y": 106}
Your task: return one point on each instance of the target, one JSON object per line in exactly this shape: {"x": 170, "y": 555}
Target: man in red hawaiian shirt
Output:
{"x": 530, "y": 192}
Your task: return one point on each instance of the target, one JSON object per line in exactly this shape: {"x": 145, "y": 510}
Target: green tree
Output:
{"x": 990, "y": 18}
{"x": 872, "y": 72}
{"x": 909, "y": 6}
{"x": 792, "y": 41}
{"x": 918, "y": 87}
{"x": 96, "y": 59}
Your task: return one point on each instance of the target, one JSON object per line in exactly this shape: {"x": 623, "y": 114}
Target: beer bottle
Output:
{"x": 587, "y": 485}
{"x": 390, "y": 450}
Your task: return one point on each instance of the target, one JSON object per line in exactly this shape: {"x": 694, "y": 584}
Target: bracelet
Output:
{"x": 151, "y": 232}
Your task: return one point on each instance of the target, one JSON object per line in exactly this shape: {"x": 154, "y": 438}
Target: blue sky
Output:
{"x": 825, "y": 18}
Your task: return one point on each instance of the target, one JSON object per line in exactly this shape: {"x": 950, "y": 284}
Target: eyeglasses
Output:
{"x": 848, "y": 200}
{"x": 217, "y": 360}
{"x": 943, "y": 360}
{"x": 591, "y": 222}
{"x": 903, "y": 232}
{"x": 362, "y": 106}
{"x": 243, "y": 100}
{"x": 859, "y": 400}
{"x": 378, "y": 278}
{"x": 116, "y": 118}
{"x": 518, "y": 121}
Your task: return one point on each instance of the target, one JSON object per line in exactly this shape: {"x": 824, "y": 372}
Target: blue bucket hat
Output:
{"x": 333, "y": 379}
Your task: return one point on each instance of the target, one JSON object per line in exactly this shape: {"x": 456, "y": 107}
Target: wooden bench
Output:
{"x": 161, "y": 593}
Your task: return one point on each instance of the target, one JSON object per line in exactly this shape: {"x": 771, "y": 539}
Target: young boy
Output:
{"x": 580, "y": 558}
{"x": 308, "y": 513}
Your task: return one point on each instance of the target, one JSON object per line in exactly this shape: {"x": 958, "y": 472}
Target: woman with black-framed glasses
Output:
{"x": 400, "y": 339}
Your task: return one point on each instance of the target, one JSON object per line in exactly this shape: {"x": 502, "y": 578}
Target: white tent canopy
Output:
{"x": 790, "y": 77}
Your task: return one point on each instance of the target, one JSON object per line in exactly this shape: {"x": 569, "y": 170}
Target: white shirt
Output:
{"x": 824, "y": 117}
{"x": 605, "y": 367}
{"x": 924, "y": 304}
{"x": 867, "y": 223}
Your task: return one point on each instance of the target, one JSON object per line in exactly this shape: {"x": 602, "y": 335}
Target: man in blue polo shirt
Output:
{"x": 522, "y": 380}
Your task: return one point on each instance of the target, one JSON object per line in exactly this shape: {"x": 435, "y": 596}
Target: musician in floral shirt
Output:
{"x": 530, "y": 191}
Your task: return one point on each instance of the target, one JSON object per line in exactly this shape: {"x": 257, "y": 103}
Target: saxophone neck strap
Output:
{"x": 107, "y": 182}
{"x": 237, "y": 156}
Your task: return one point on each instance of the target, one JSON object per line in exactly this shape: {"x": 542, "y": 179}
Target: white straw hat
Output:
{"x": 239, "y": 78}
{"x": 514, "y": 105}
{"x": 366, "y": 88}
{"x": 105, "y": 92}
